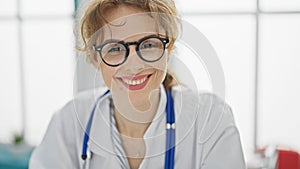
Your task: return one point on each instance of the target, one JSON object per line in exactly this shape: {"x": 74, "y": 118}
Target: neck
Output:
{"x": 130, "y": 128}
{"x": 137, "y": 126}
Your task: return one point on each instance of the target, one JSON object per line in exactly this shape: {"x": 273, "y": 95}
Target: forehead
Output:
{"x": 125, "y": 22}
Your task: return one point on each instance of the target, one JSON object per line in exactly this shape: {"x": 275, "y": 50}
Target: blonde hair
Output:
{"x": 93, "y": 20}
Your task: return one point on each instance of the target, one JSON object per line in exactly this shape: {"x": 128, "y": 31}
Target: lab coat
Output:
{"x": 206, "y": 135}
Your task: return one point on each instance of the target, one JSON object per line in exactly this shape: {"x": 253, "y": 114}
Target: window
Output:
{"x": 257, "y": 45}
{"x": 38, "y": 57}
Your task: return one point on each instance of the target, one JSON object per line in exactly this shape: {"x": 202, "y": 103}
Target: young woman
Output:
{"x": 131, "y": 123}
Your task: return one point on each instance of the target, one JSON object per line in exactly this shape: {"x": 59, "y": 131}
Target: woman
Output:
{"x": 132, "y": 125}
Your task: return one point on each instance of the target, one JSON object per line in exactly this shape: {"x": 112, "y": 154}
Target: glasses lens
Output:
{"x": 113, "y": 53}
{"x": 151, "y": 49}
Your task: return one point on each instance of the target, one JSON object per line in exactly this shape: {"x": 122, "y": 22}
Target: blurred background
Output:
{"x": 257, "y": 42}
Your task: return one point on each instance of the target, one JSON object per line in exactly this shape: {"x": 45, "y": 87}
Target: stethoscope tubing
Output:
{"x": 170, "y": 131}
{"x": 88, "y": 128}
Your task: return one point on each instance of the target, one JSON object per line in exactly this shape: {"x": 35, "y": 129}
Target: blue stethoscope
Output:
{"x": 170, "y": 132}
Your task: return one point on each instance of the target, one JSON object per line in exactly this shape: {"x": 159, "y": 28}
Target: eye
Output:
{"x": 149, "y": 44}
{"x": 113, "y": 48}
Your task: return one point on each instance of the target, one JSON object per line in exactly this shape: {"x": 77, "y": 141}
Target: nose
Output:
{"x": 134, "y": 64}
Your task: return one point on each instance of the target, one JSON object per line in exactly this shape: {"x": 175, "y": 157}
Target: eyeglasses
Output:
{"x": 115, "y": 52}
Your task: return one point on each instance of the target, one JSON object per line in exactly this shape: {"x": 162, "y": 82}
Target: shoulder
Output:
{"x": 75, "y": 112}
{"x": 209, "y": 121}
{"x": 82, "y": 101}
{"x": 213, "y": 116}
{"x": 63, "y": 138}
{"x": 75, "y": 109}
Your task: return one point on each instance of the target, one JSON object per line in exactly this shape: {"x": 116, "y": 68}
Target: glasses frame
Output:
{"x": 164, "y": 41}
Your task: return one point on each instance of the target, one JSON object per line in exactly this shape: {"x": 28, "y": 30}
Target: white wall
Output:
{"x": 233, "y": 38}
{"x": 232, "y": 32}
{"x": 279, "y": 112}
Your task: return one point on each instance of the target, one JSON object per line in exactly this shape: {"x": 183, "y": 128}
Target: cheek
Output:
{"x": 161, "y": 69}
{"x": 107, "y": 74}
{"x": 160, "y": 65}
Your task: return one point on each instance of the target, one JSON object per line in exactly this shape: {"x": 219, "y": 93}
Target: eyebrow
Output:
{"x": 119, "y": 40}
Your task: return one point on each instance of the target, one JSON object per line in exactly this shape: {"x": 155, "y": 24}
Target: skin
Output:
{"x": 134, "y": 109}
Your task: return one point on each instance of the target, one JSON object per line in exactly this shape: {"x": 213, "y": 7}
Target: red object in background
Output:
{"x": 288, "y": 160}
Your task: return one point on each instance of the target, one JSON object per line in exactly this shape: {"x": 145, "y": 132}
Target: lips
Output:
{"x": 135, "y": 82}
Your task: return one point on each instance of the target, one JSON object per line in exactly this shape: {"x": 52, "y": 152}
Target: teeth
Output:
{"x": 134, "y": 82}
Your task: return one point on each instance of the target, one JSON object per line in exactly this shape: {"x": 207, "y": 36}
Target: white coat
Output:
{"x": 206, "y": 135}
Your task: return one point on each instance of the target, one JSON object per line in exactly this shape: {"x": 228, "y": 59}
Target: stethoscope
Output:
{"x": 170, "y": 133}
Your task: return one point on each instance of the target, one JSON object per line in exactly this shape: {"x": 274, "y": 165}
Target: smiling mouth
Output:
{"x": 135, "y": 82}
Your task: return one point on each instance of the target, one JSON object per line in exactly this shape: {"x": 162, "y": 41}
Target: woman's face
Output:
{"x": 135, "y": 79}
